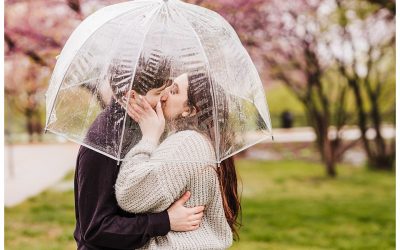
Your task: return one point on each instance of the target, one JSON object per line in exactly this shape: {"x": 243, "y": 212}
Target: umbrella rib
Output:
{"x": 216, "y": 125}
{"x": 58, "y": 89}
{"x": 79, "y": 83}
{"x": 114, "y": 45}
{"x": 137, "y": 61}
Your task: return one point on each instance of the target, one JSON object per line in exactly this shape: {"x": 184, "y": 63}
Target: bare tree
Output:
{"x": 296, "y": 59}
{"x": 367, "y": 73}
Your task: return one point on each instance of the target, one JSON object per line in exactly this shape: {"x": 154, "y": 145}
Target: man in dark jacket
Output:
{"x": 100, "y": 223}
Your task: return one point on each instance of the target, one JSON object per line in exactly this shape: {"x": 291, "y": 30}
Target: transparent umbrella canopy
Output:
{"x": 143, "y": 45}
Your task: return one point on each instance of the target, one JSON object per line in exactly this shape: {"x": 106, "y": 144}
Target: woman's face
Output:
{"x": 174, "y": 98}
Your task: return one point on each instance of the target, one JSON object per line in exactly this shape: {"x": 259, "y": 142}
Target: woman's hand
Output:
{"x": 152, "y": 123}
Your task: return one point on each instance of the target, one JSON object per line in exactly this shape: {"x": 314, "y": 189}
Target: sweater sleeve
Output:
{"x": 162, "y": 175}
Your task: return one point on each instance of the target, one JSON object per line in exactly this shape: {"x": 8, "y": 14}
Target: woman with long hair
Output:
{"x": 155, "y": 174}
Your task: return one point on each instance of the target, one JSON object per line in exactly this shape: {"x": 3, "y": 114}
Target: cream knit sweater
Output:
{"x": 154, "y": 177}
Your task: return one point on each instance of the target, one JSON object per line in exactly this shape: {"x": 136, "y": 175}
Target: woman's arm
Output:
{"x": 151, "y": 180}
{"x": 137, "y": 181}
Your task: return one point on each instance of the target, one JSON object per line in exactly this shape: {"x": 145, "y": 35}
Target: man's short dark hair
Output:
{"x": 152, "y": 72}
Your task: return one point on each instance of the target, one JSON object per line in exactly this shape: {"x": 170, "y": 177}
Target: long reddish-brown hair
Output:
{"x": 201, "y": 95}
{"x": 228, "y": 182}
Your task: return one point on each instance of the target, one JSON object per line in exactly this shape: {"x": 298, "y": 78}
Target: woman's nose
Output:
{"x": 164, "y": 96}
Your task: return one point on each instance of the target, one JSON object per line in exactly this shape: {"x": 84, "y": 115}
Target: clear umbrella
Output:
{"x": 144, "y": 45}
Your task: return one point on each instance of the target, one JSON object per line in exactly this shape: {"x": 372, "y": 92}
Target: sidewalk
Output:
{"x": 30, "y": 169}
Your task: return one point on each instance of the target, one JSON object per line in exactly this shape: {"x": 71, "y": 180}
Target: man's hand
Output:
{"x": 182, "y": 218}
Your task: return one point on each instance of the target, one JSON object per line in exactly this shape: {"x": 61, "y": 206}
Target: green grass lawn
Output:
{"x": 286, "y": 205}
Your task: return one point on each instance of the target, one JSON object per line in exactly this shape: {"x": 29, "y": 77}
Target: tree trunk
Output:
{"x": 331, "y": 169}
{"x": 30, "y": 126}
{"x": 379, "y": 156}
{"x": 362, "y": 118}
{"x": 324, "y": 145}
{"x": 384, "y": 157}
{"x": 330, "y": 161}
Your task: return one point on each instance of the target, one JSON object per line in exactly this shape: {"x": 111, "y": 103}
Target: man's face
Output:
{"x": 154, "y": 95}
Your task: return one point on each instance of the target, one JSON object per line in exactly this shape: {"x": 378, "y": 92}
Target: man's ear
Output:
{"x": 132, "y": 94}
{"x": 189, "y": 112}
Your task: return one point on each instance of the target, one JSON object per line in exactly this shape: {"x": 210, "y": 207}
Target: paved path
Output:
{"x": 30, "y": 169}
{"x": 306, "y": 134}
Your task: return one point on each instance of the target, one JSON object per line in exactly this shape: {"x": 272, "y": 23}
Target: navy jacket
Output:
{"x": 100, "y": 223}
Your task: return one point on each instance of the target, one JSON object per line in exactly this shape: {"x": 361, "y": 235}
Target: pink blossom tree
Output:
{"x": 34, "y": 34}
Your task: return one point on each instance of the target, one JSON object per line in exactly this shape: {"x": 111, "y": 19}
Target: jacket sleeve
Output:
{"x": 152, "y": 179}
{"x": 100, "y": 219}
